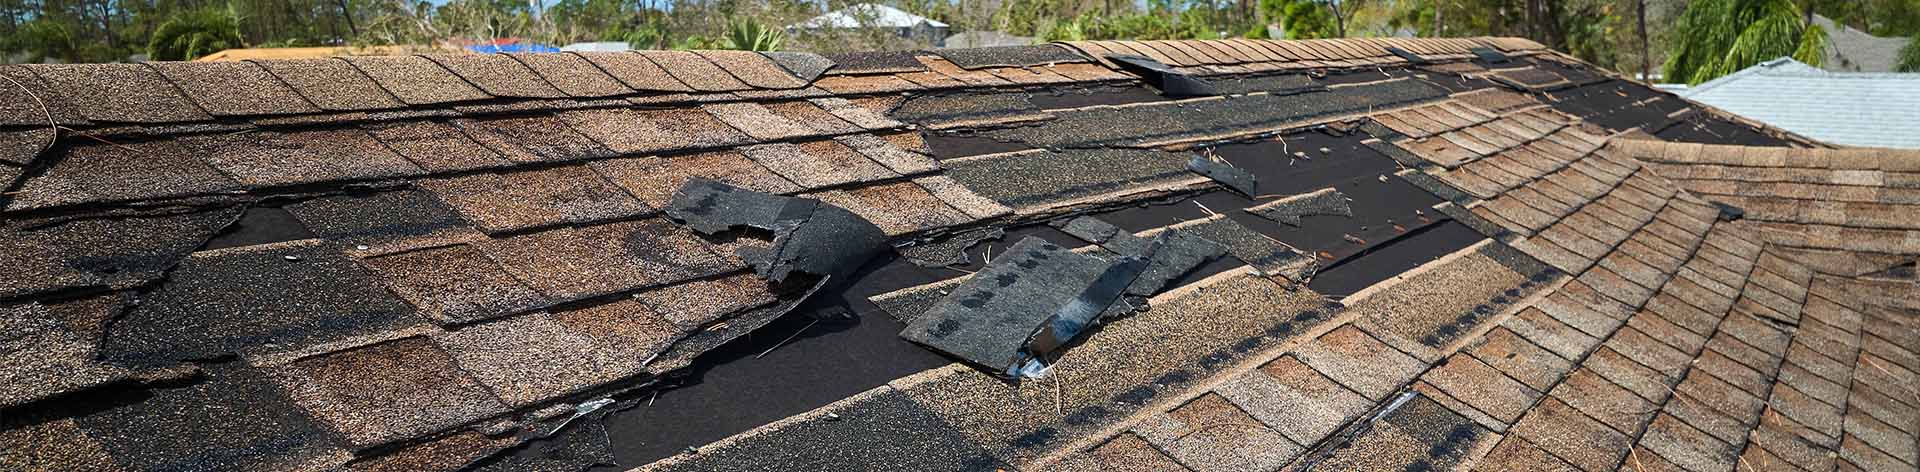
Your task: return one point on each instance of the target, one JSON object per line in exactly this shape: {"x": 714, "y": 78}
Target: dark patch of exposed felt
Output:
{"x": 260, "y": 225}
{"x": 254, "y": 299}
{"x": 874, "y": 62}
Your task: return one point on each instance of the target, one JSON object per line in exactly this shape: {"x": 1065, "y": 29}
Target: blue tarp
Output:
{"x": 514, "y": 47}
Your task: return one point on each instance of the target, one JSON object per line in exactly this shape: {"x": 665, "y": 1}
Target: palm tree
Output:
{"x": 194, "y": 33}
{"x": 746, "y": 34}
{"x": 1717, "y": 37}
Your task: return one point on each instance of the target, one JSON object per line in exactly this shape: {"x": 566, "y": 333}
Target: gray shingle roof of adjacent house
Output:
{"x": 1849, "y": 108}
{"x": 1336, "y": 254}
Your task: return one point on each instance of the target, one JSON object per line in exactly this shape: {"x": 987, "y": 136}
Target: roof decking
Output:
{"x": 419, "y": 263}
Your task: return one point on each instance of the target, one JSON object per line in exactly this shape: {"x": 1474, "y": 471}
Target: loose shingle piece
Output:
{"x": 809, "y": 237}
{"x": 1031, "y": 300}
{"x": 1323, "y": 202}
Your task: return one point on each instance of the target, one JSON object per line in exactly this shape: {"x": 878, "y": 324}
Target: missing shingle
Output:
{"x": 1171, "y": 83}
{"x": 809, "y": 236}
{"x": 261, "y": 225}
{"x": 1488, "y": 55}
{"x": 951, "y": 251}
{"x": 1408, "y": 55}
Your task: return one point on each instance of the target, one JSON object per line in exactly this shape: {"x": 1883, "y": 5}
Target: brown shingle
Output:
{"x": 389, "y": 391}
{"x": 654, "y": 179}
{"x": 436, "y": 146}
{"x": 754, "y": 69}
{"x": 416, "y": 80}
{"x": 519, "y": 200}
{"x": 1611, "y": 404}
{"x": 266, "y": 158}
{"x": 958, "y": 196}
{"x": 124, "y": 93}
{"x": 454, "y": 284}
{"x": 131, "y": 171}
{"x": 622, "y": 322}
{"x": 1688, "y": 447}
{"x": 234, "y": 88}
{"x": 497, "y": 75}
{"x": 897, "y": 208}
{"x": 1295, "y": 399}
{"x": 818, "y": 164}
{"x": 1211, "y": 434}
{"x": 1360, "y": 362}
{"x": 1520, "y": 359}
{"x": 1571, "y": 435}
{"x": 757, "y": 121}
{"x": 694, "y": 305}
{"x": 574, "y": 263}
{"x": 634, "y": 70}
{"x": 695, "y": 71}
{"x": 532, "y": 138}
{"x": 701, "y": 129}
{"x": 572, "y": 74}
{"x": 1483, "y": 387}
{"x": 331, "y": 84}
{"x": 888, "y": 153}
{"x": 807, "y": 114}
{"x": 18, "y": 104}
{"x": 530, "y": 358}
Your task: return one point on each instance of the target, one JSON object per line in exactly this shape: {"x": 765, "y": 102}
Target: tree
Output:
{"x": 745, "y": 34}
{"x": 194, "y": 33}
{"x": 1718, "y": 37}
{"x": 1909, "y": 56}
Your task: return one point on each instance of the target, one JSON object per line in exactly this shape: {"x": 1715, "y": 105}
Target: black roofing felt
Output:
{"x": 1076, "y": 97}
{"x": 260, "y": 225}
{"x": 1279, "y": 84}
{"x": 1094, "y": 127}
{"x": 1009, "y": 56}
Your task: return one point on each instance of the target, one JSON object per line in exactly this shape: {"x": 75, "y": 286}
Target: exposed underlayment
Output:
{"x": 1378, "y": 254}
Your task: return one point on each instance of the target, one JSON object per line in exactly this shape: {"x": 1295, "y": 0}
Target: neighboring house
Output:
{"x": 1852, "y": 50}
{"x": 1851, "y": 108}
{"x": 1301, "y": 255}
{"x": 871, "y": 15}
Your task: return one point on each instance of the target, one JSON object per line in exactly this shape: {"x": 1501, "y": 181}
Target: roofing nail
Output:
{"x": 292, "y": 258}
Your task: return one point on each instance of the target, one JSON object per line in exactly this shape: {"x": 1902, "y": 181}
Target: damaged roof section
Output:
{"x": 432, "y": 263}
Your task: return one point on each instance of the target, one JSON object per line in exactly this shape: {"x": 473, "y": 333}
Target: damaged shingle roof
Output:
{"x": 420, "y": 263}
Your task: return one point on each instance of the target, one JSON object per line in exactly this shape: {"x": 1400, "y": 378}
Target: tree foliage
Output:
{"x": 1718, "y": 37}
{"x": 194, "y": 33}
{"x": 1910, "y": 56}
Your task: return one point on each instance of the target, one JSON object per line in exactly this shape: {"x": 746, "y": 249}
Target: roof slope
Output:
{"x": 1850, "y": 108}
{"x": 426, "y": 262}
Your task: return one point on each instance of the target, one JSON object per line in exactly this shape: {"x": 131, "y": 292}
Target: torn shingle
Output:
{"x": 809, "y": 237}
{"x": 217, "y": 87}
{"x": 123, "y": 93}
{"x": 233, "y": 419}
{"x": 521, "y": 200}
{"x": 384, "y": 222}
{"x": 253, "y": 299}
{"x": 1030, "y": 301}
{"x": 1268, "y": 255}
{"x": 1226, "y": 174}
{"x": 1323, "y": 202}
{"x": 46, "y": 358}
{"x": 117, "y": 252}
{"x": 1041, "y": 178}
{"x": 804, "y": 65}
{"x": 389, "y": 391}
{"x": 951, "y": 251}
